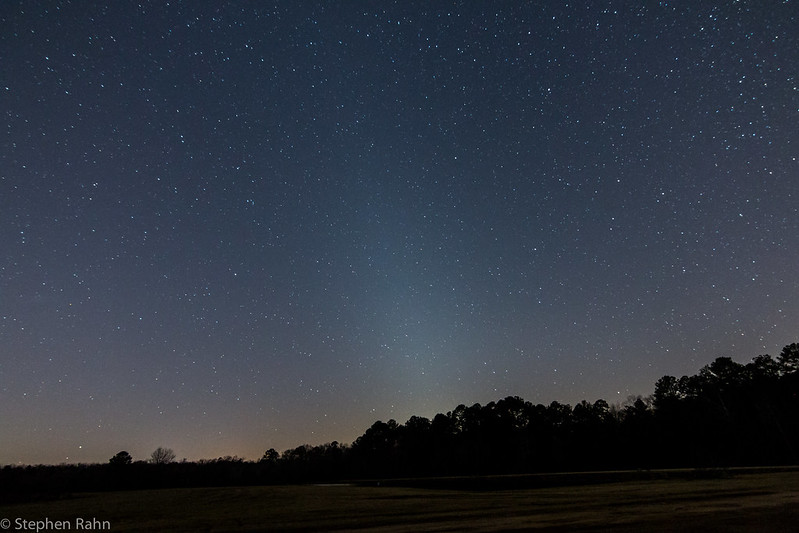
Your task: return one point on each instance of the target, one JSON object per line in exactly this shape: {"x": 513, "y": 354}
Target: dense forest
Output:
{"x": 729, "y": 414}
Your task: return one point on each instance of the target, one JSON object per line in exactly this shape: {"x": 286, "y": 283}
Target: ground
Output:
{"x": 728, "y": 502}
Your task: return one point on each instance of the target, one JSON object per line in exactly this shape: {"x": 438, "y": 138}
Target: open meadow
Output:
{"x": 760, "y": 501}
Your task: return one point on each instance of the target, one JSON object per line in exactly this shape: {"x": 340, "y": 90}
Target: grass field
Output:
{"x": 733, "y": 502}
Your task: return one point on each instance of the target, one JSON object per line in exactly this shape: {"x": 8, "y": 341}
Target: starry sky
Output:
{"x": 231, "y": 226}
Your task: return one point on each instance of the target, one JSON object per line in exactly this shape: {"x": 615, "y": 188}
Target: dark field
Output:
{"x": 740, "y": 502}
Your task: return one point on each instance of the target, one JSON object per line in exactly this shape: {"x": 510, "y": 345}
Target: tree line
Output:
{"x": 728, "y": 414}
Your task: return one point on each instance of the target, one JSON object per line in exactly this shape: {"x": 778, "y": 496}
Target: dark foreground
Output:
{"x": 737, "y": 501}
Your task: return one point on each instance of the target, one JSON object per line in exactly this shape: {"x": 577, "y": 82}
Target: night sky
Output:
{"x": 231, "y": 226}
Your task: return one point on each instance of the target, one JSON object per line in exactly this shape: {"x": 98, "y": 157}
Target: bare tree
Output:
{"x": 162, "y": 456}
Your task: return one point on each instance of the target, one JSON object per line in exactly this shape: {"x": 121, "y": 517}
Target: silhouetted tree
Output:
{"x": 723, "y": 373}
{"x": 376, "y": 449}
{"x": 667, "y": 393}
{"x": 763, "y": 367}
{"x": 271, "y": 455}
{"x": 416, "y": 445}
{"x": 121, "y": 459}
{"x": 442, "y": 441}
{"x": 162, "y": 456}
{"x": 788, "y": 359}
